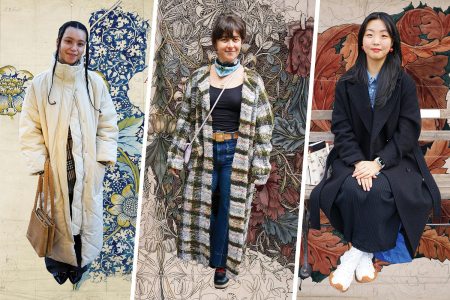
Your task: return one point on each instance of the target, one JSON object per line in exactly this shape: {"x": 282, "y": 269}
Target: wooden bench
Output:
{"x": 442, "y": 180}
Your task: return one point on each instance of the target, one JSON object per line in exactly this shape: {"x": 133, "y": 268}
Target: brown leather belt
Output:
{"x": 223, "y": 136}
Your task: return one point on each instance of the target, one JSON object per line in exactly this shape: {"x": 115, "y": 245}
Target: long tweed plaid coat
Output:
{"x": 250, "y": 165}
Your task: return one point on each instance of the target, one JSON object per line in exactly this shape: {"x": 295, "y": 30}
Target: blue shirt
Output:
{"x": 372, "y": 87}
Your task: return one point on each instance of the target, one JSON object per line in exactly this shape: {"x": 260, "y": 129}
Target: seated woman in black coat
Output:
{"x": 377, "y": 190}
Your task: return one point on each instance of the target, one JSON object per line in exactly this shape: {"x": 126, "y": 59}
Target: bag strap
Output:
{"x": 38, "y": 193}
{"x": 45, "y": 185}
{"x": 212, "y": 108}
{"x": 52, "y": 190}
{"x": 49, "y": 191}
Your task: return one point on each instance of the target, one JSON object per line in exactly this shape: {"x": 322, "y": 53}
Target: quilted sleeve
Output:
{"x": 31, "y": 139}
{"x": 263, "y": 134}
{"x": 175, "y": 156}
{"x": 107, "y": 130}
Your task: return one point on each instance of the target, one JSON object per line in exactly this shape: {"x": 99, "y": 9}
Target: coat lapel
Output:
{"x": 248, "y": 99}
{"x": 203, "y": 96}
{"x": 359, "y": 96}
{"x": 247, "y": 120}
{"x": 203, "y": 90}
{"x": 382, "y": 114}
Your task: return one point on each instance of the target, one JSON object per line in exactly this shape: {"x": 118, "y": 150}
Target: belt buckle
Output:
{"x": 219, "y": 137}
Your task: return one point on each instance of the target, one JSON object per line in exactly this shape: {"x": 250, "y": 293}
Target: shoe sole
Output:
{"x": 337, "y": 286}
{"x": 366, "y": 279}
{"x": 220, "y": 286}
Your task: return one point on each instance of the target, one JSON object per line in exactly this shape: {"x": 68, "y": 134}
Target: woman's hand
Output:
{"x": 366, "y": 169}
{"x": 365, "y": 183}
{"x": 174, "y": 172}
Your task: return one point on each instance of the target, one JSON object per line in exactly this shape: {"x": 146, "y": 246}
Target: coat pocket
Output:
{"x": 97, "y": 188}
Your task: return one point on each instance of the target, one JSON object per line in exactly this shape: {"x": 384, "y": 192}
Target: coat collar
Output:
{"x": 375, "y": 119}
{"x": 68, "y": 73}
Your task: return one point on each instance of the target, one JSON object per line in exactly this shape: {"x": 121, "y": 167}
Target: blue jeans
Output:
{"x": 223, "y": 154}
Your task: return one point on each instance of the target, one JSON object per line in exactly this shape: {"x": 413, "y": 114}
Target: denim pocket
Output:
{"x": 231, "y": 146}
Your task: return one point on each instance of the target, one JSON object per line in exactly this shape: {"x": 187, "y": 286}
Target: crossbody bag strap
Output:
{"x": 212, "y": 108}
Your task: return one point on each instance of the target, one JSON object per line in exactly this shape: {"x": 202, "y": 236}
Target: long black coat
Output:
{"x": 390, "y": 132}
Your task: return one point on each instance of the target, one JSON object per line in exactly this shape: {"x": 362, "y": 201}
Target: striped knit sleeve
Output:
{"x": 175, "y": 156}
{"x": 263, "y": 134}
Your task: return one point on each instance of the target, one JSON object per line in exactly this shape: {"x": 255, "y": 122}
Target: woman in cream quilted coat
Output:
{"x": 68, "y": 116}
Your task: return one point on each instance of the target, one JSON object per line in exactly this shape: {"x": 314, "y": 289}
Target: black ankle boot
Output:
{"x": 220, "y": 278}
{"x": 60, "y": 277}
{"x": 75, "y": 276}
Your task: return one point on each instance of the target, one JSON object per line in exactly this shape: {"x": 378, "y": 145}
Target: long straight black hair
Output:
{"x": 392, "y": 66}
{"x": 61, "y": 31}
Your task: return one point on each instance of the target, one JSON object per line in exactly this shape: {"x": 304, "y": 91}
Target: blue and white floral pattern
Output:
{"x": 118, "y": 44}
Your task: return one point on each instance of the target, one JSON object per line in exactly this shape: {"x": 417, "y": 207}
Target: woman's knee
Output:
{"x": 380, "y": 184}
{"x": 350, "y": 186}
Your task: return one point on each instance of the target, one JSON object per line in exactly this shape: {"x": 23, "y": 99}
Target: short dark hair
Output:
{"x": 224, "y": 26}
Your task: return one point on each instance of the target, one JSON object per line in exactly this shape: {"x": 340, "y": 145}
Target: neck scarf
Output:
{"x": 225, "y": 69}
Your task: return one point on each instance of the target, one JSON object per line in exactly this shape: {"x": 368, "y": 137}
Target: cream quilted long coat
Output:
{"x": 43, "y": 133}
{"x": 250, "y": 166}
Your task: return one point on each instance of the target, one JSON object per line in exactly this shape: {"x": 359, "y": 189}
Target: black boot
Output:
{"x": 76, "y": 274}
{"x": 220, "y": 278}
{"x": 60, "y": 277}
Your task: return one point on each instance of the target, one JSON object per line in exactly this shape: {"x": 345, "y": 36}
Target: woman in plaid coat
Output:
{"x": 230, "y": 155}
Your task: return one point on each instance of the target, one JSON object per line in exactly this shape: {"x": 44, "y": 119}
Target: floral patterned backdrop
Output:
{"x": 425, "y": 35}
{"x": 278, "y": 46}
{"x": 118, "y": 44}
{"x": 13, "y": 84}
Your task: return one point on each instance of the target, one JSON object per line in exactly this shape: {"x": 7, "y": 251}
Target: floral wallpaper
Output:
{"x": 118, "y": 43}
{"x": 425, "y": 36}
{"x": 13, "y": 84}
{"x": 280, "y": 50}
